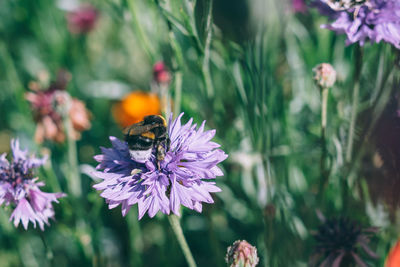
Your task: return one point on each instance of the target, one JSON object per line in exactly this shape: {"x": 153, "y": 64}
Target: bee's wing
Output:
{"x": 137, "y": 129}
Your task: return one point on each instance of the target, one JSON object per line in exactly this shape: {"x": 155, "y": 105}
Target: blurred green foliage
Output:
{"x": 246, "y": 68}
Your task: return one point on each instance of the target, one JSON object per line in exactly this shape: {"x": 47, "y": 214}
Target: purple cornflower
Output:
{"x": 373, "y": 20}
{"x": 182, "y": 178}
{"x": 19, "y": 187}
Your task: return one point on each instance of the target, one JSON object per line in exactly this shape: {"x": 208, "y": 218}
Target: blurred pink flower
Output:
{"x": 299, "y": 6}
{"x": 160, "y": 73}
{"x": 79, "y": 117}
{"x": 48, "y": 106}
{"x": 82, "y": 20}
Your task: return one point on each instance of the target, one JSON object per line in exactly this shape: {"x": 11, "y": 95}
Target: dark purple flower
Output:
{"x": 19, "y": 187}
{"x": 373, "y": 20}
{"x": 341, "y": 241}
{"x": 182, "y": 178}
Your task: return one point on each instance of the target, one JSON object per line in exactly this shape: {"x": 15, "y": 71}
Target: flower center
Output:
{"x": 16, "y": 173}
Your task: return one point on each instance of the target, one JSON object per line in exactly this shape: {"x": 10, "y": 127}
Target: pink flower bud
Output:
{"x": 161, "y": 73}
{"x": 324, "y": 75}
{"x": 241, "y": 254}
{"x": 82, "y": 20}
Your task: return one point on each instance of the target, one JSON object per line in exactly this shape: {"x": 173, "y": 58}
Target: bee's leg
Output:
{"x": 168, "y": 143}
{"x": 356, "y": 11}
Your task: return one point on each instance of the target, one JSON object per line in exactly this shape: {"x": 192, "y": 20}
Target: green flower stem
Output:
{"x": 135, "y": 236}
{"x": 178, "y": 92}
{"x": 146, "y": 45}
{"x": 206, "y": 60}
{"x": 51, "y": 176}
{"x": 190, "y": 6}
{"x": 353, "y": 119}
{"x": 74, "y": 178}
{"x": 165, "y": 97}
{"x": 49, "y": 252}
{"x": 324, "y": 108}
{"x": 177, "y": 64}
{"x": 354, "y": 109}
{"x": 176, "y": 227}
{"x": 15, "y": 84}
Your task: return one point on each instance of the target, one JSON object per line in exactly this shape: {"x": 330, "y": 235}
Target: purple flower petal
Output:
{"x": 192, "y": 158}
{"x": 373, "y": 20}
{"x": 18, "y": 186}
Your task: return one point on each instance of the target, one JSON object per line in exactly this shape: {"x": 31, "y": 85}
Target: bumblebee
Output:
{"x": 143, "y": 136}
{"x": 340, "y": 5}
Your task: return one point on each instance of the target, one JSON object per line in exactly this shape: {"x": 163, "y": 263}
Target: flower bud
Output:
{"x": 82, "y": 20}
{"x": 241, "y": 254}
{"x": 161, "y": 73}
{"x": 324, "y": 75}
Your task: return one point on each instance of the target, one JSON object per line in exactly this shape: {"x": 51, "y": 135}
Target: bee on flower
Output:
{"x": 182, "y": 175}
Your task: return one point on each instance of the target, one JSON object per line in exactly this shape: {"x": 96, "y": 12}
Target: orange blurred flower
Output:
{"x": 135, "y": 106}
{"x": 393, "y": 259}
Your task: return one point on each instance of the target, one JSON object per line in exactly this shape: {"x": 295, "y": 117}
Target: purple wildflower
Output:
{"x": 373, "y": 20}
{"x": 19, "y": 187}
{"x": 180, "y": 180}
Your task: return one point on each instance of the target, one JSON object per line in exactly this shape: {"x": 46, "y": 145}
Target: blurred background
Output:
{"x": 246, "y": 68}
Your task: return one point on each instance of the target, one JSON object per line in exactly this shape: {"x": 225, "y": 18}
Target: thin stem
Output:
{"x": 74, "y": 181}
{"x": 178, "y": 93}
{"x": 164, "y": 94}
{"x": 324, "y": 107}
{"x": 146, "y": 45}
{"x": 177, "y": 64}
{"x": 354, "y": 109}
{"x": 12, "y": 76}
{"x": 206, "y": 60}
{"x": 49, "y": 253}
{"x": 378, "y": 105}
{"x": 190, "y": 8}
{"x": 135, "y": 236}
{"x": 176, "y": 227}
{"x": 51, "y": 176}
